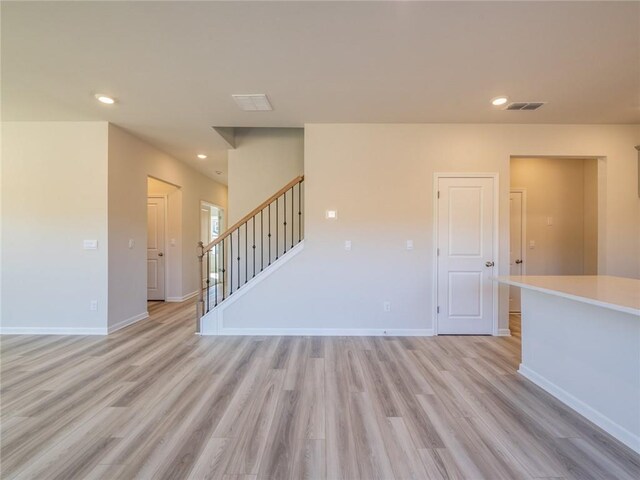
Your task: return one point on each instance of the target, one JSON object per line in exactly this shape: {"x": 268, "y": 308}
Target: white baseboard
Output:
{"x": 51, "y": 331}
{"x": 182, "y": 298}
{"x": 504, "y": 332}
{"x": 327, "y": 332}
{"x": 128, "y": 321}
{"x": 614, "y": 429}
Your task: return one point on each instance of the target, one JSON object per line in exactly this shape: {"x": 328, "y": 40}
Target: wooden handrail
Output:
{"x": 252, "y": 213}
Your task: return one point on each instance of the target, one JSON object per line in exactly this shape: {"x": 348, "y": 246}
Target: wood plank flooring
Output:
{"x": 156, "y": 401}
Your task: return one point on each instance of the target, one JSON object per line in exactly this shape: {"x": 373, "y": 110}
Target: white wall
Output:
{"x": 131, "y": 161}
{"x": 379, "y": 178}
{"x": 54, "y": 196}
{"x": 565, "y": 190}
{"x": 264, "y": 160}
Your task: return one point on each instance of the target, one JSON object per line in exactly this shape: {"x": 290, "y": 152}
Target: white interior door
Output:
{"x": 465, "y": 255}
{"x": 516, "y": 237}
{"x": 155, "y": 248}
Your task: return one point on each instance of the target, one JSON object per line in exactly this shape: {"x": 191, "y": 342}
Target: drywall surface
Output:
{"x": 380, "y": 179}
{"x": 54, "y": 196}
{"x": 264, "y": 160}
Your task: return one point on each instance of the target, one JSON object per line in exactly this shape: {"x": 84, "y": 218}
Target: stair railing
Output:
{"x": 249, "y": 246}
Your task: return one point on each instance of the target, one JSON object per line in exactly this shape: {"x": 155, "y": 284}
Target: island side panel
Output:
{"x": 586, "y": 356}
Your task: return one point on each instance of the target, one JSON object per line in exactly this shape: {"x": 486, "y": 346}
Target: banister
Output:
{"x": 251, "y": 214}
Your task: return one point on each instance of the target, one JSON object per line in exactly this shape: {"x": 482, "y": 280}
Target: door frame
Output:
{"x": 166, "y": 241}
{"x": 223, "y": 228}
{"x": 224, "y": 216}
{"x": 523, "y": 247}
{"x": 496, "y": 241}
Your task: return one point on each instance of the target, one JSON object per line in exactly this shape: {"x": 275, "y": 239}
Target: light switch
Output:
{"x": 347, "y": 245}
{"x": 172, "y": 242}
{"x": 331, "y": 214}
{"x": 90, "y": 244}
{"x": 409, "y": 244}
{"x": 532, "y": 244}
{"x": 132, "y": 243}
{"x": 549, "y": 221}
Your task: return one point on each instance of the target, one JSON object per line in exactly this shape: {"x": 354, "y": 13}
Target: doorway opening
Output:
{"x": 159, "y": 200}
{"x": 553, "y": 218}
{"x": 211, "y": 227}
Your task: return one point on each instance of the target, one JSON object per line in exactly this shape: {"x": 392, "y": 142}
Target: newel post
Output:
{"x": 200, "y": 304}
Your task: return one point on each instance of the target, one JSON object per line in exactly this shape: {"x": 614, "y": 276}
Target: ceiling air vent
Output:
{"x": 253, "y": 103}
{"x": 524, "y": 105}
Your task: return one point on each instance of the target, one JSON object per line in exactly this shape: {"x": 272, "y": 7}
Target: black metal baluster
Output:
{"x": 269, "y": 234}
{"x": 299, "y": 211}
{"x": 277, "y": 228}
{"x": 261, "y": 240}
{"x": 231, "y": 264}
{"x": 224, "y": 271}
{"x": 238, "y": 233}
{"x": 284, "y": 215}
{"x": 292, "y": 224}
{"x": 208, "y": 277}
{"x": 217, "y": 269}
{"x": 253, "y": 230}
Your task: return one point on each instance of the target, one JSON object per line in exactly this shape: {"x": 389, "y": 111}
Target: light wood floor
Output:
{"x": 156, "y": 401}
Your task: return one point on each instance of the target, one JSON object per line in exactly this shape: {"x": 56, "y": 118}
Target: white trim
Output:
{"x": 329, "y": 332}
{"x": 618, "y": 431}
{"x": 52, "y": 331}
{"x": 504, "y": 332}
{"x": 216, "y": 315}
{"x": 182, "y": 298}
{"x": 496, "y": 241}
{"x": 523, "y": 233}
{"x": 128, "y": 321}
{"x": 523, "y": 206}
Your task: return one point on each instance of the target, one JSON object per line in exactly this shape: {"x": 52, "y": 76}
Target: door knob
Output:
{"x": 489, "y": 264}
{"x": 518, "y": 262}
{"x": 160, "y": 254}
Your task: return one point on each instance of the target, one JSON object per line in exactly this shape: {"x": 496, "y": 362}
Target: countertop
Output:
{"x": 615, "y": 293}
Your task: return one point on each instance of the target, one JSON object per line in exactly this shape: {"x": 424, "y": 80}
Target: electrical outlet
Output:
{"x": 347, "y": 245}
{"x": 386, "y": 306}
{"x": 93, "y": 305}
{"x": 132, "y": 243}
{"x": 532, "y": 244}
{"x": 409, "y": 244}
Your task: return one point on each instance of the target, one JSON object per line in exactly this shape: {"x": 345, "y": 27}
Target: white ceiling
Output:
{"x": 174, "y": 65}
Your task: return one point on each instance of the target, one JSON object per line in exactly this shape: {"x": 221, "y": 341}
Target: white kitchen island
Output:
{"x": 581, "y": 343}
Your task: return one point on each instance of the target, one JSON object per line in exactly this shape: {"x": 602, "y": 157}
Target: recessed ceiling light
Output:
{"x": 253, "y": 103}
{"x": 496, "y": 102}
{"x": 105, "y": 99}
{"x": 202, "y": 156}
